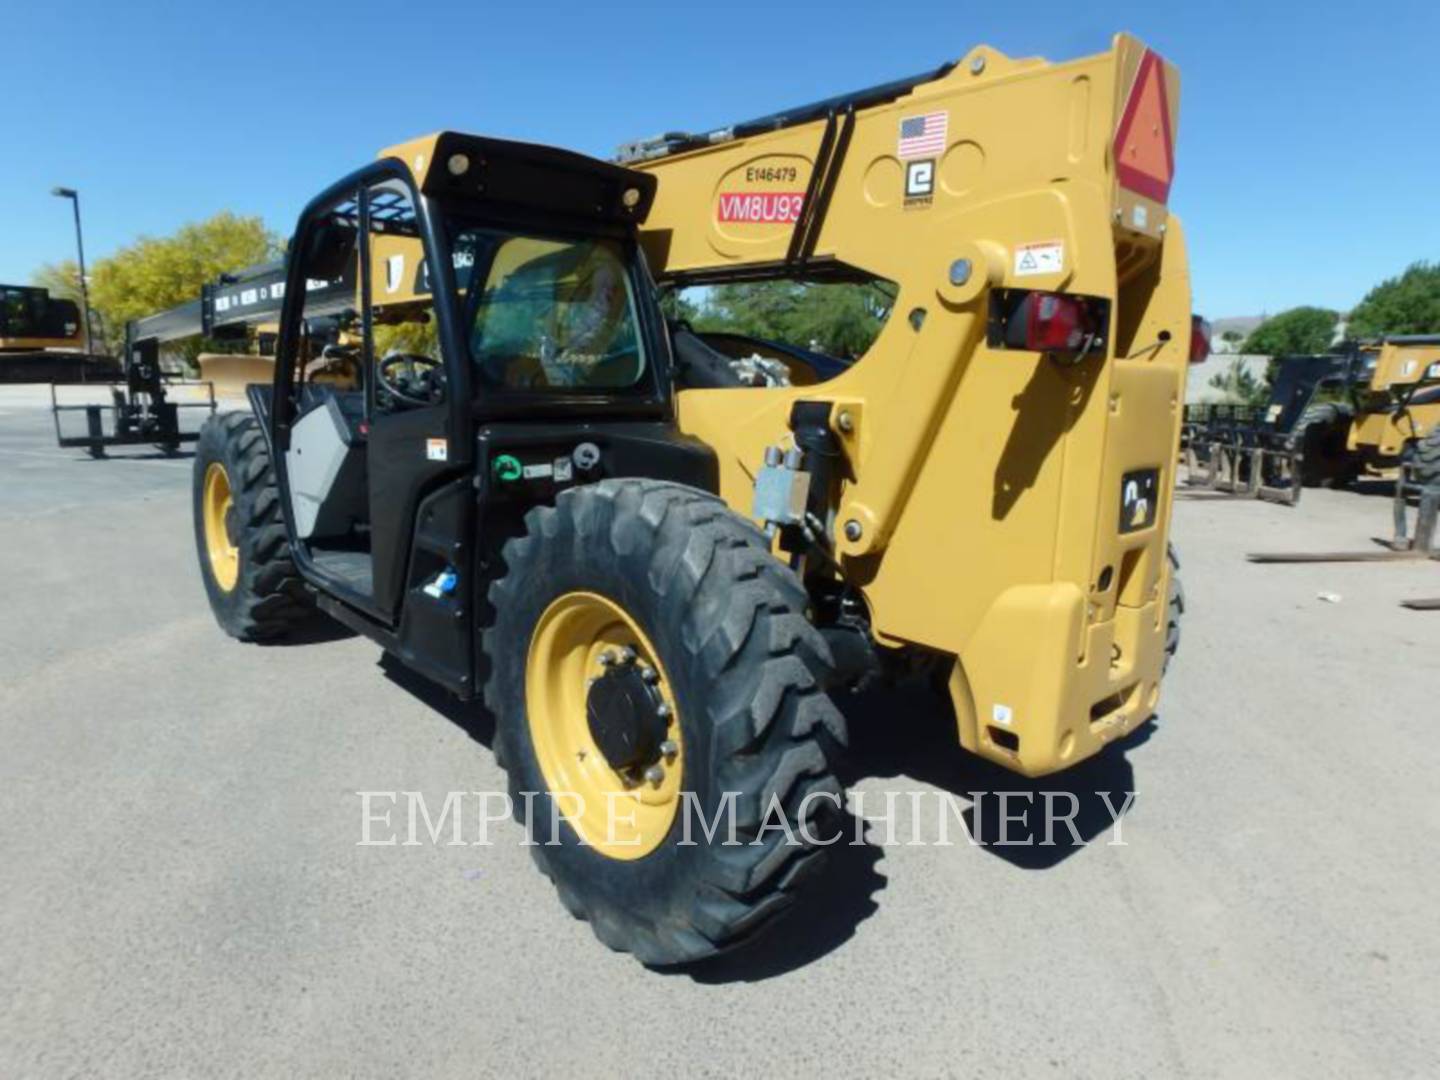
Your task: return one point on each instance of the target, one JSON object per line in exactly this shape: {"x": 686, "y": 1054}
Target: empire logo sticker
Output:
{"x": 919, "y": 183}
{"x": 437, "y": 450}
{"x": 760, "y": 207}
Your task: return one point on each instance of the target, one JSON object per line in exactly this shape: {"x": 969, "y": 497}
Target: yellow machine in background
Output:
{"x": 998, "y": 501}
{"x": 1400, "y": 406}
{"x": 42, "y": 339}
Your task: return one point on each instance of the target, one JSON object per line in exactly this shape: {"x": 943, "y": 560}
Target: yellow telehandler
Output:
{"x": 654, "y": 560}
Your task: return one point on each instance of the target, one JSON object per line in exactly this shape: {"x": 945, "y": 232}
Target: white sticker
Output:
{"x": 564, "y": 470}
{"x": 1408, "y": 366}
{"x": 535, "y": 472}
{"x": 1140, "y": 216}
{"x": 1002, "y": 715}
{"x": 1273, "y": 413}
{"x": 1046, "y": 258}
{"x": 394, "y": 273}
{"x": 437, "y": 450}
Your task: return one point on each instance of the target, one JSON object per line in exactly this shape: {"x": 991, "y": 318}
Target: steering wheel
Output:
{"x": 411, "y": 378}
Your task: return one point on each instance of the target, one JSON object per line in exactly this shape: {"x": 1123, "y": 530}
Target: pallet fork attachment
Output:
{"x": 1227, "y": 449}
{"x": 140, "y": 411}
{"x": 1406, "y": 545}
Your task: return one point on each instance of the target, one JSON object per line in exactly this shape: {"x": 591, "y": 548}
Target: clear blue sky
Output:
{"x": 1308, "y": 160}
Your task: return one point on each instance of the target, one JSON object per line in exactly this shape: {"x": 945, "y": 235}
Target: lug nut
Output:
{"x": 607, "y": 658}
{"x": 649, "y": 674}
{"x": 670, "y": 748}
{"x": 654, "y": 774}
{"x": 662, "y": 711}
{"x": 627, "y": 655}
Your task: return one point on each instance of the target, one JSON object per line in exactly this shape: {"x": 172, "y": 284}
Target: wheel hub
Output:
{"x": 627, "y": 717}
{"x": 602, "y": 718}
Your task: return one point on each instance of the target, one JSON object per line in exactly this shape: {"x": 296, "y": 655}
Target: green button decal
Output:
{"x": 506, "y": 468}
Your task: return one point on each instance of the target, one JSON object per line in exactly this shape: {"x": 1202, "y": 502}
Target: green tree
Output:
{"x": 152, "y": 274}
{"x": 838, "y": 319}
{"x": 678, "y": 307}
{"x": 1408, "y": 304}
{"x": 1299, "y": 331}
{"x": 60, "y": 279}
{"x": 1240, "y": 385}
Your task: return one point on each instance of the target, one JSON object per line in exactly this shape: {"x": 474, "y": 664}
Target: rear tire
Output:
{"x": 1324, "y": 431}
{"x": 1176, "y": 608}
{"x": 254, "y": 589}
{"x": 746, "y": 669}
{"x": 1426, "y": 459}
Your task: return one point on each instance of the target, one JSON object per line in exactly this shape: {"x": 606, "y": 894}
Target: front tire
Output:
{"x": 1324, "y": 431}
{"x": 1175, "y": 609}
{"x": 253, "y": 586}
{"x": 666, "y": 579}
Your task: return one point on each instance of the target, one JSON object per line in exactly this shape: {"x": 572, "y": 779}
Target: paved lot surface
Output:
{"x": 181, "y": 892}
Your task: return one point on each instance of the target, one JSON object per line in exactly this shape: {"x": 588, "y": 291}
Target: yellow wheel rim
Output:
{"x": 216, "y": 507}
{"x": 623, "y": 813}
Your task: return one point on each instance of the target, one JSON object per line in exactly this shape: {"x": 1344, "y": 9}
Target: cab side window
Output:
{"x": 332, "y": 344}
{"x": 408, "y": 368}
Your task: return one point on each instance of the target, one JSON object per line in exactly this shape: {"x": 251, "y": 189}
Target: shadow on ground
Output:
{"x": 315, "y": 630}
{"x": 904, "y": 734}
{"x": 908, "y": 733}
{"x": 126, "y": 453}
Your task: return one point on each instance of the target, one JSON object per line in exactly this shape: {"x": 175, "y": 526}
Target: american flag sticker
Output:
{"x": 923, "y": 136}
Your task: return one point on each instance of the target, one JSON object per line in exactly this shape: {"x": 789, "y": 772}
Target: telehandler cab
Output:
{"x": 654, "y": 573}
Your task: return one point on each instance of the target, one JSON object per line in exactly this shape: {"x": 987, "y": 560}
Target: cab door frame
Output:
{"x": 456, "y": 423}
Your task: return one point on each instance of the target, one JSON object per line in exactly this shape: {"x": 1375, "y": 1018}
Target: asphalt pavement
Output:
{"x": 182, "y": 891}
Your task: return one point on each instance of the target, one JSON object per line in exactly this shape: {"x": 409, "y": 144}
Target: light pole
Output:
{"x": 74, "y": 197}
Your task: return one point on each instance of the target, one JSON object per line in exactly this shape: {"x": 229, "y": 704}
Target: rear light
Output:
{"x": 1056, "y": 323}
{"x": 1065, "y": 326}
{"x": 1199, "y": 340}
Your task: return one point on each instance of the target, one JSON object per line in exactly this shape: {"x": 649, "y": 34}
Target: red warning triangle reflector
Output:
{"x": 1144, "y": 146}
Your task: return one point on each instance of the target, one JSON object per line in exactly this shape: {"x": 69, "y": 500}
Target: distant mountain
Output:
{"x": 1244, "y": 325}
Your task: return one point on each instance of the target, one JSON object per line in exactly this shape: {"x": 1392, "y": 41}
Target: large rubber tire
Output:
{"x": 268, "y": 598}
{"x": 1323, "y": 432}
{"x": 747, "y": 669}
{"x": 1176, "y": 608}
{"x": 1425, "y": 456}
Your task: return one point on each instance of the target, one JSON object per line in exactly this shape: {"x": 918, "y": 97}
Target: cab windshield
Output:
{"x": 552, "y": 314}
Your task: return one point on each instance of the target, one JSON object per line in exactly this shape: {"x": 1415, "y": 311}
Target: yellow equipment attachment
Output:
{"x": 1006, "y": 489}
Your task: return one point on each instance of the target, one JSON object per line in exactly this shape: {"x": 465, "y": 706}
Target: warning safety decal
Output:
{"x": 1043, "y": 258}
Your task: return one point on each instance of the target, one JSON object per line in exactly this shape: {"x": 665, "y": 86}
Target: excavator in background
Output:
{"x": 42, "y": 340}
{"x": 483, "y": 447}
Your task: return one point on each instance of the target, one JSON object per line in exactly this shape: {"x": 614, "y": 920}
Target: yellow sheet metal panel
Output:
{"x": 987, "y": 482}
